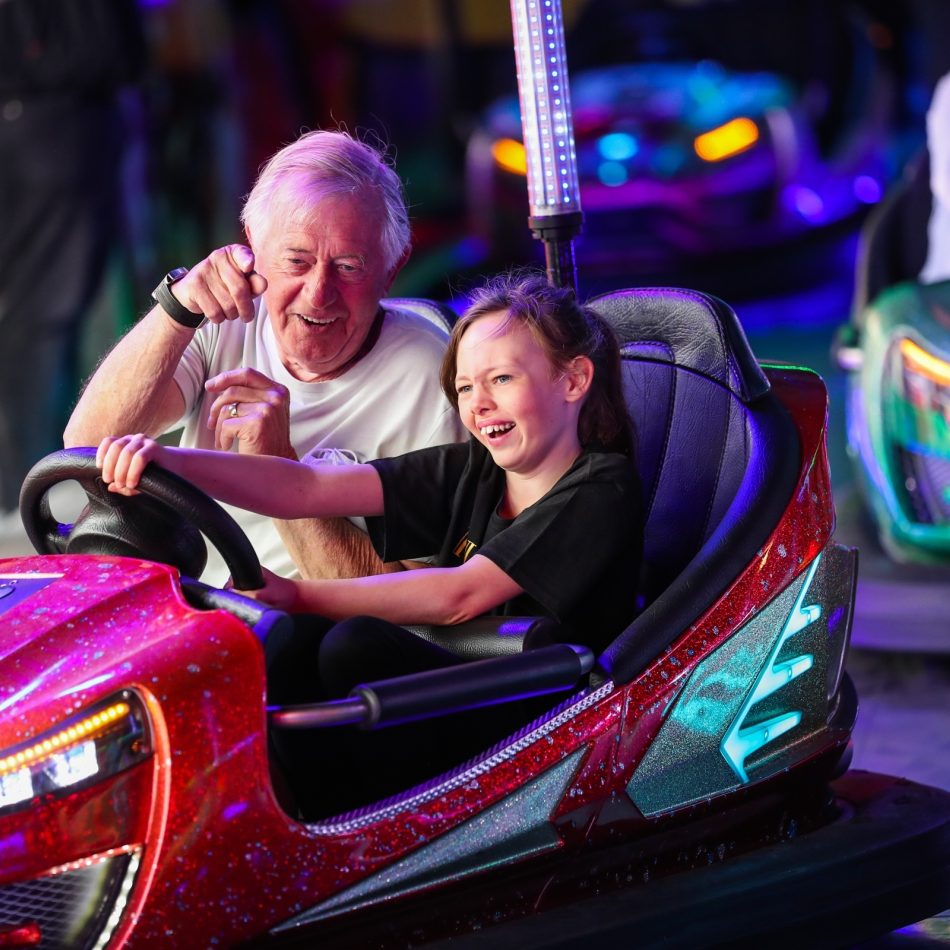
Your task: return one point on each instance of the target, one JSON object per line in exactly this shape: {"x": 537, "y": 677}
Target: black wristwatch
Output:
{"x": 163, "y": 296}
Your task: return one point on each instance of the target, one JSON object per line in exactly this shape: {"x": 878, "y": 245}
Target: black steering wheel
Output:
{"x": 164, "y": 523}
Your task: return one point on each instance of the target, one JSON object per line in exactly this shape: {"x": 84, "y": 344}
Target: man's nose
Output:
{"x": 321, "y": 289}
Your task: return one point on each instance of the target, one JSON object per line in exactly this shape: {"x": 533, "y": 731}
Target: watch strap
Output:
{"x": 163, "y": 296}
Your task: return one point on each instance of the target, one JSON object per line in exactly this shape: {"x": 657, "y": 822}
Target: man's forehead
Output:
{"x": 326, "y": 235}
{"x": 353, "y": 218}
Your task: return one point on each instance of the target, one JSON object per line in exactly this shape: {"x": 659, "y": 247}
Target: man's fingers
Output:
{"x": 257, "y": 283}
{"x": 221, "y": 286}
{"x": 243, "y": 376}
{"x": 237, "y": 393}
{"x": 242, "y": 256}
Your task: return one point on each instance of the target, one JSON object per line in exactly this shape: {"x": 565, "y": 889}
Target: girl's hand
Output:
{"x": 123, "y": 459}
{"x": 279, "y": 592}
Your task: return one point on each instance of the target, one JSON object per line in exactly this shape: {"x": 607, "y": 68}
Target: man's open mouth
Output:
{"x": 317, "y": 321}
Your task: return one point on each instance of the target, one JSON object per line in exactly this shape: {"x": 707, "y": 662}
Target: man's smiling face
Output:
{"x": 324, "y": 283}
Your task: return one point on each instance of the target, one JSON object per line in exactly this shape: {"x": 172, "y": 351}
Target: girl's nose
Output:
{"x": 481, "y": 399}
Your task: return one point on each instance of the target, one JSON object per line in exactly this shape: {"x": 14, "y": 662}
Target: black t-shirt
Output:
{"x": 575, "y": 552}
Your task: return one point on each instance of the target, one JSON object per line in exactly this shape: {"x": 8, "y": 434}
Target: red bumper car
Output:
{"x": 685, "y": 787}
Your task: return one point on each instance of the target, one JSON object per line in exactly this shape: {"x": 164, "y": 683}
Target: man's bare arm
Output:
{"x": 326, "y": 548}
{"x": 133, "y": 389}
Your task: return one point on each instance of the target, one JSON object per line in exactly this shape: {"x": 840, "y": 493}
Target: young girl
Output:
{"x": 538, "y": 513}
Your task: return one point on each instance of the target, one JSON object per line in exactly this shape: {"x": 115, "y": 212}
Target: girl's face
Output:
{"x": 514, "y": 401}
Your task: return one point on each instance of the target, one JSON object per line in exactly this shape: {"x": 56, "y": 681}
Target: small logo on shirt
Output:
{"x": 465, "y": 548}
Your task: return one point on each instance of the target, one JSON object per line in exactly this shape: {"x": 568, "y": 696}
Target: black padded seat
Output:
{"x": 717, "y": 454}
{"x": 718, "y": 459}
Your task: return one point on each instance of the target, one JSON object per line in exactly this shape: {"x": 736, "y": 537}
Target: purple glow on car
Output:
{"x": 805, "y": 201}
{"x": 867, "y": 189}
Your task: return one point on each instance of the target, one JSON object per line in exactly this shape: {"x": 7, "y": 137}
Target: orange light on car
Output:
{"x": 727, "y": 140}
{"x": 77, "y": 732}
{"x": 925, "y": 363}
{"x": 509, "y": 154}
{"x": 21, "y": 935}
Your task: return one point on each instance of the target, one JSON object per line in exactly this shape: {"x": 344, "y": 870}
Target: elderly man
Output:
{"x": 282, "y": 347}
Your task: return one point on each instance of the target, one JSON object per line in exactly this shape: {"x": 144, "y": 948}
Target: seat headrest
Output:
{"x": 688, "y": 329}
{"x": 438, "y": 313}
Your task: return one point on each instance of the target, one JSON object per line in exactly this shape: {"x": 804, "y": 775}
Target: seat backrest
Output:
{"x": 440, "y": 314}
{"x": 717, "y": 456}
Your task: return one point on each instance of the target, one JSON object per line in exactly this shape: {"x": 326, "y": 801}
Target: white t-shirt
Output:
{"x": 388, "y": 403}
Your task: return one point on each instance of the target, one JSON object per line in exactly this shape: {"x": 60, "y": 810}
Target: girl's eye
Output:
{"x": 502, "y": 378}
{"x": 463, "y": 390}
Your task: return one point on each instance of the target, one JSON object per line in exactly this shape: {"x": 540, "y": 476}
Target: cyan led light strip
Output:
{"x": 739, "y": 743}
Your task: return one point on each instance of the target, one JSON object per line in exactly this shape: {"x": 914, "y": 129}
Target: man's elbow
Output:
{"x": 75, "y": 435}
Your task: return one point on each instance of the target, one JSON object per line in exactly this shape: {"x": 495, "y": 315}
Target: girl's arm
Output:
{"x": 439, "y": 595}
{"x": 277, "y": 487}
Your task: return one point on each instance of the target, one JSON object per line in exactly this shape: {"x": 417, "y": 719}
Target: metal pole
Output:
{"x": 547, "y": 127}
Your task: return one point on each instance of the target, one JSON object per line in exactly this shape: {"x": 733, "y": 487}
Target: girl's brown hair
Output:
{"x": 565, "y": 330}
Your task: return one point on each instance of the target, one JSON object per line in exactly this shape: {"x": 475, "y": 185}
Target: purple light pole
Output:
{"x": 554, "y": 198}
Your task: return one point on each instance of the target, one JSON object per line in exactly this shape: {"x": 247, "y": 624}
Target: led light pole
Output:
{"x": 548, "y": 129}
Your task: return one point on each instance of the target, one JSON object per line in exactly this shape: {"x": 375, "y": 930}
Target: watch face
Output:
{"x": 176, "y": 274}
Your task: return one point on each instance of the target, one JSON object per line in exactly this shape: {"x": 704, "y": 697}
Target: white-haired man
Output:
{"x": 282, "y": 347}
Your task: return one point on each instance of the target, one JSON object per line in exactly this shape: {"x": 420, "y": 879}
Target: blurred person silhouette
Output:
{"x": 907, "y": 236}
{"x": 63, "y": 67}
{"x": 937, "y": 265}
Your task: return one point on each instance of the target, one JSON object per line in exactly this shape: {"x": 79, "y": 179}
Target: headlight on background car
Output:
{"x": 916, "y": 391}
{"x": 99, "y": 742}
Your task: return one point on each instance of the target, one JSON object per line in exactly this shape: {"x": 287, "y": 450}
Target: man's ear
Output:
{"x": 396, "y": 268}
{"x": 579, "y": 375}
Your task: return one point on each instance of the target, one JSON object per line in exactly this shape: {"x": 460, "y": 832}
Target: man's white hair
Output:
{"x": 326, "y": 164}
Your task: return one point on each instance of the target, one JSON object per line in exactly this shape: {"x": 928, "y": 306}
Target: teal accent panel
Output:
{"x": 746, "y": 689}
